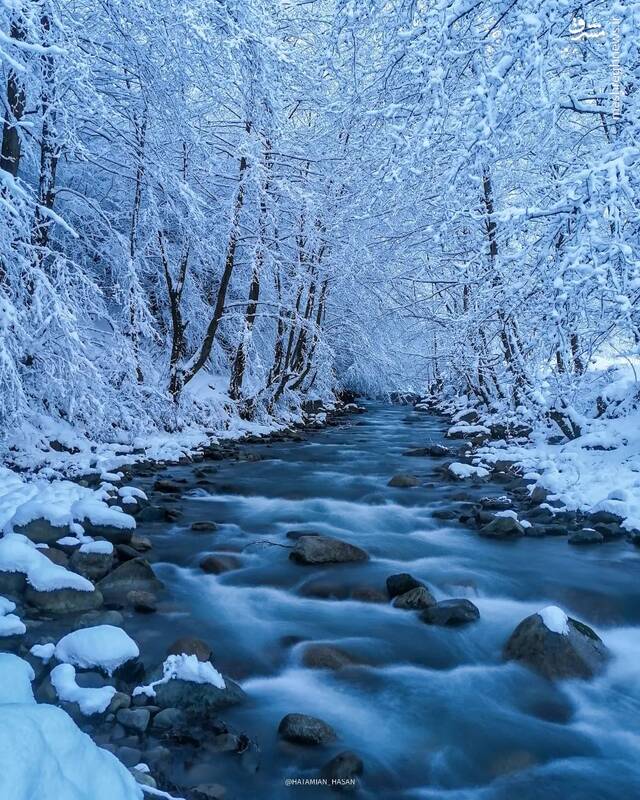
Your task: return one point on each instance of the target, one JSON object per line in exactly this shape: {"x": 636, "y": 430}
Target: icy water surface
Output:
{"x": 433, "y": 712}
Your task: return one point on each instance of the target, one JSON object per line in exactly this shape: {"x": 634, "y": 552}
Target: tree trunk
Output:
{"x": 204, "y": 352}
{"x": 49, "y": 153}
{"x": 16, "y": 99}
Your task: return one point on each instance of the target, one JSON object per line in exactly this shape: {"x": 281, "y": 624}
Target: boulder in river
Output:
{"x": 64, "y": 601}
{"x": 368, "y": 594}
{"x": 502, "y": 528}
{"x": 216, "y": 565}
{"x": 343, "y": 771}
{"x": 303, "y": 729}
{"x": 557, "y": 646}
{"x": 133, "y": 575}
{"x": 451, "y": 613}
{"x": 325, "y": 656}
{"x": 41, "y": 531}
{"x": 401, "y": 584}
{"x": 204, "y": 526}
{"x": 93, "y": 566}
{"x": 325, "y": 550}
{"x": 431, "y": 451}
{"x": 196, "y": 699}
{"x": 190, "y": 646}
{"x": 586, "y": 536}
{"x": 403, "y": 481}
{"x": 415, "y": 599}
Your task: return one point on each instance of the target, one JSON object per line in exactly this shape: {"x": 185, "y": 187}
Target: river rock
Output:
{"x": 403, "y": 481}
{"x": 204, "y": 526}
{"x": 141, "y": 543}
{"x": 415, "y": 599}
{"x": 56, "y": 556}
{"x": 368, "y": 594}
{"x": 169, "y": 719}
{"x": 166, "y": 486}
{"x": 93, "y": 566}
{"x": 325, "y": 656}
{"x": 142, "y": 602}
{"x": 198, "y": 699}
{"x": 502, "y": 528}
{"x": 451, "y": 612}
{"x": 577, "y": 652}
{"x": 586, "y": 536}
{"x": 111, "y": 533}
{"x": 191, "y": 646}
{"x": 64, "y": 601}
{"x": 134, "y": 575}
{"x": 134, "y": 719}
{"x": 93, "y": 618}
{"x": 343, "y": 772}
{"x": 41, "y": 531}
{"x": 325, "y": 550}
{"x": 303, "y": 729}
{"x": 12, "y": 583}
{"x": 195, "y": 699}
{"x": 151, "y": 514}
{"x": 401, "y": 584}
{"x": 216, "y": 565}
{"x": 130, "y": 756}
{"x": 125, "y": 552}
{"x": 431, "y": 451}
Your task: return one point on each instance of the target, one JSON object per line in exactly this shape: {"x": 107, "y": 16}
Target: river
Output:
{"x": 433, "y": 712}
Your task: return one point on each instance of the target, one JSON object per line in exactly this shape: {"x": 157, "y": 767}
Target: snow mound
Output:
{"x": 63, "y": 503}
{"x": 44, "y": 755}
{"x": 19, "y": 554}
{"x": 102, "y": 547}
{"x": 103, "y": 646}
{"x": 43, "y": 651}
{"x": 460, "y": 470}
{"x": 185, "y": 668}
{"x": 10, "y": 624}
{"x": 555, "y": 619}
{"x": 90, "y": 701}
{"x": 470, "y": 429}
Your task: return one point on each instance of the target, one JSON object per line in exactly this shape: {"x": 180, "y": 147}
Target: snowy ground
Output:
{"x": 599, "y": 470}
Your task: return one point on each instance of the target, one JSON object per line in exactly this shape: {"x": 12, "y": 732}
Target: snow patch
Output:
{"x": 461, "y": 471}
{"x": 102, "y": 547}
{"x": 44, "y": 755}
{"x": 10, "y": 624}
{"x": 103, "y": 646}
{"x": 43, "y": 651}
{"x": 185, "y": 668}
{"x": 90, "y": 701}
{"x": 555, "y": 619}
{"x": 19, "y": 554}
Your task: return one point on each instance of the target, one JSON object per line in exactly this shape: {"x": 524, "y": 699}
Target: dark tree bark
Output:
{"x": 209, "y": 338}
{"x": 49, "y": 152}
{"x": 16, "y": 100}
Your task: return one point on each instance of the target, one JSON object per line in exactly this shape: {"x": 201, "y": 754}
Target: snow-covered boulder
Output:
{"x": 557, "y": 646}
{"x": 42, "y": 531}
{"x": 194, "y": 686}
{"x": 103, "y": 646}
{"x": 502, "y": 527}
{"x": 93, "y": 560}
{"x": 44, "y": 755}
{"x": 49, "y": 586}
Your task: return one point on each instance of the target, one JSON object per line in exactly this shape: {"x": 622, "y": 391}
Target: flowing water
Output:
{"x": 433, "y": 712}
